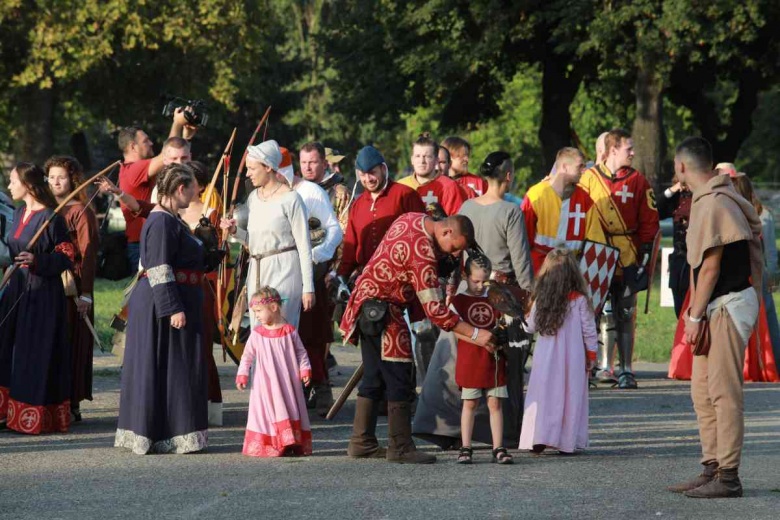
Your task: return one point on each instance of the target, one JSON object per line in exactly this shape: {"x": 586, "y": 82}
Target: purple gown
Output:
{"x": 163, "y": 405}
{"x": 35, "y": 373}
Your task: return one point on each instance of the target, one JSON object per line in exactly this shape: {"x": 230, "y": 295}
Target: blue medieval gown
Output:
{"x": 35, "y": 367}
{"x": 163, "y": 404}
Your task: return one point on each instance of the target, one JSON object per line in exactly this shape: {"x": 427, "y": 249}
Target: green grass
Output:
{"x": 655, "y": 331}
{"x": 108, "y": 300}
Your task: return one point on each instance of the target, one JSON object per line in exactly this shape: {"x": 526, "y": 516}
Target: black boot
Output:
{"x": 400, "y": 446}
{"x": 323, "y": 399}
{"x": 710, "y": 469}
{"x": 363, "y": 443}
{"x": 726, "y": 484}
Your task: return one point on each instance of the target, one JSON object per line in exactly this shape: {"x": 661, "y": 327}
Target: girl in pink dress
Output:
{"x": 278, "y": 423}
{"x": 556, "y": 403}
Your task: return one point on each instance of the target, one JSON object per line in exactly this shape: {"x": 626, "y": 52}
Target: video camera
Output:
{"x": 196, "y": 116}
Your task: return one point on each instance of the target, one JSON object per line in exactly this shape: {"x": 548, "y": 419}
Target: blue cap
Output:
{"x": 368, "y": 158}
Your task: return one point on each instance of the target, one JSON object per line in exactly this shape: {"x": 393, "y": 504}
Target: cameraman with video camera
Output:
{"x": 138, "y": 172}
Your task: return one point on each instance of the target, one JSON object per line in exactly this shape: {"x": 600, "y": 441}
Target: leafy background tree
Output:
{"x": 522, "y": 75}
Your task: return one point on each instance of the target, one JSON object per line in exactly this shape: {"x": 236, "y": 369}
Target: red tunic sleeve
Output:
{"x": 86, "y": 240}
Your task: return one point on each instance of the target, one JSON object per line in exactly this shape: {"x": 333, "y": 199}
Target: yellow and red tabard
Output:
{"x": 625, "y": 203}
{"x": 551, "y": 222}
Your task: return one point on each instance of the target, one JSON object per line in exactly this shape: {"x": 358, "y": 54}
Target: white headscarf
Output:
{"x": 267, "y": 153}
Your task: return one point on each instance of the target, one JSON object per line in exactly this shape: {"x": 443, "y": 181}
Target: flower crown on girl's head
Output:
{"x": 266, "y": 300}
{"x": 265, "y": 296}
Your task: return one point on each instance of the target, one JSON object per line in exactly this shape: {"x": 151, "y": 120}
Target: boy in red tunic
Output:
{"x": 479, "y": 370}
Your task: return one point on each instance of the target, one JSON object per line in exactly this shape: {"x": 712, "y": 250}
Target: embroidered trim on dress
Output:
{"x": 160, "y": 275}
{"x": 289, "y": 435}
{"x": 67, "y": 249}
{"x": 36, "y": 419}
{"x": 140, "y": 445}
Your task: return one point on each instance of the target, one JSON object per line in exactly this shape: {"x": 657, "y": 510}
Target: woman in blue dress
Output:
{"x": 35, "y": 371}
{"x": 163, "y": 404}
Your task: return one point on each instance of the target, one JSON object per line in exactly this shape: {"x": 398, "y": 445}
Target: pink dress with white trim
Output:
{"x": 278, "y": 420}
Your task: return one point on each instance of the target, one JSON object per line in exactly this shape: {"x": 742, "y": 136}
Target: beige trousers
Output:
{"x": 716, "y": 382}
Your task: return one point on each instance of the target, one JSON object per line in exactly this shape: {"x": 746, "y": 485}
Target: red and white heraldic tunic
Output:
{"x": 472, "y": 182}
{"x": 403, "y": 269}
{"x": 475, "y": 367}
{"x": 442, "y": 191}
{"x": 625, "y": 203}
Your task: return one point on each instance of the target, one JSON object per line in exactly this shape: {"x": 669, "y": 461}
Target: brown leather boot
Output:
{"x": 363, "y": 444}
{"x": 726, "y": 484}
{"x": 710, "y": 468}
{"x": 400, "y": 447}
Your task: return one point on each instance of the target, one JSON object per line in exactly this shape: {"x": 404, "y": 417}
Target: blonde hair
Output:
{"x": 265, "y": 296}
{"x": 559, "y": 276}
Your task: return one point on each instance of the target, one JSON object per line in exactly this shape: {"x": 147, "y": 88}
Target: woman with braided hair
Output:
{"x": 163, "y": 404}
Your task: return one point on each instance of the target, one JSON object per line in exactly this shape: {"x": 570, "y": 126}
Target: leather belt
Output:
{"x": 273, "y": 252}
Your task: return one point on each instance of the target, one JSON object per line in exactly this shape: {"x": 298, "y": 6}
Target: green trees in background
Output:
{"x": 526, "y": 76}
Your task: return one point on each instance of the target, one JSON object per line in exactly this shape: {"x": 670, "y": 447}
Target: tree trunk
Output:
{"x": 36, "y": 132}
{"x": 648, "y": 131}
{"x": 559, "y": 86}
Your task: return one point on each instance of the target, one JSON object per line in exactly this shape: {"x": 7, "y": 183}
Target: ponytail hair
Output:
{"x": 425, "y": 139}
{"x": 496, "y": 165}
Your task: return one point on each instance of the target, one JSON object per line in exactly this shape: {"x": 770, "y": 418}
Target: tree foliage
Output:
{"x": 527, "y": 76}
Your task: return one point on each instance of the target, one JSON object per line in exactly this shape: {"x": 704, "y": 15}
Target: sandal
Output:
{"x": 464, "y": 455}
{"x": 501, "y": 456}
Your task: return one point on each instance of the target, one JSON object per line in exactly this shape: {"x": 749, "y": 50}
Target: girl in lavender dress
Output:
{"x": 278, "y": 423}
{"x": 556, "y": 404}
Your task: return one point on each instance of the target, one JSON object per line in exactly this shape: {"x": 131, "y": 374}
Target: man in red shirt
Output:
{"x": 373, "y": 211}
{"x": 137, "y": 175}
{"x": 433, "y": 187}
{"x": 460, "y": 151}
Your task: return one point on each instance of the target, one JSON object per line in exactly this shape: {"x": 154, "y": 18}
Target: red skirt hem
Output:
{"x": 34, "y": 419}
{"x": 289, "y": 438}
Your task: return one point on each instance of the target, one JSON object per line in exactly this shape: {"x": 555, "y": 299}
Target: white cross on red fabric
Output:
{"x": 624, "y": 194}
{"x": 578, "y": 215}
{"x": 430, "y": 198}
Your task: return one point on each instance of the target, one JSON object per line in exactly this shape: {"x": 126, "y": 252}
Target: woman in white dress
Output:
{"x": 274, "y": 225}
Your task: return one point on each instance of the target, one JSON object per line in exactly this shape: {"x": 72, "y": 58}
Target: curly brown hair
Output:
{"x": 559, "y": 276}
{"x": 72, "y": 167}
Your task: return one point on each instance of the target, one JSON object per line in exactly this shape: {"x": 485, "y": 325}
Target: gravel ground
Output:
{"x": 641, "y": 441}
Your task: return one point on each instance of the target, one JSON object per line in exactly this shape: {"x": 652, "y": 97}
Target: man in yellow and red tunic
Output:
{"x": 558, "y": 212}
{"x": 625, "y": 203}
{"x": 402, "y": 271}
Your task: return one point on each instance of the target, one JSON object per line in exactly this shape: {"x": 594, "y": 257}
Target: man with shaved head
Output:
{"x": 402, "y": 272}
{"x": 559, "y": 213}
{"x": 724, "y": 252}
